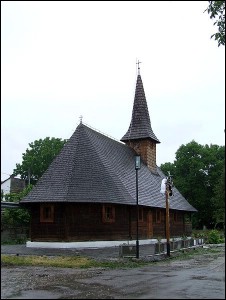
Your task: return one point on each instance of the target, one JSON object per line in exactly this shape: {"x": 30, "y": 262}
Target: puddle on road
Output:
{"x": 35, "y": 294}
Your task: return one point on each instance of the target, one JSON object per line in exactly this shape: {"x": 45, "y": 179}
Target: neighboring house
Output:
{"x": 12, "y": 185}
{"x": 88, "y": 193}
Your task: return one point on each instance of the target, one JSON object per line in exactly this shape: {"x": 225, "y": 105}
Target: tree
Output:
{"x": 196, "y": 172}
{"x": 216, "y": 9}
{"x": 168, "y": 167}
{"x": 16, "y": 216}
{"x": 219, "y": 201}
{"x": 36, "y": 160}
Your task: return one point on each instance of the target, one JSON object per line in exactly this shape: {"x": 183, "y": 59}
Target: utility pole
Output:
{"x": 167, "y": 220}
{"x": 168, "y": 193}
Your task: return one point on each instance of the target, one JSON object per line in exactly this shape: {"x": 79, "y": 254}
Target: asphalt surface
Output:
{"x": 199, "y": 277}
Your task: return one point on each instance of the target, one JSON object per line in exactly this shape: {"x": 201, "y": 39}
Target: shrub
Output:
{"x": 214, "y": 237}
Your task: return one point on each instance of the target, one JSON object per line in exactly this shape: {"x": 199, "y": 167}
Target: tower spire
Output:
{"x": 140, "y": 135}
{"x": 140, "y": 125}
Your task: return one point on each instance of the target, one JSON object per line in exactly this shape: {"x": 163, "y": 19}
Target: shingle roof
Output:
{"x": 140, "y": 125}
{"x": 92, "y": 167}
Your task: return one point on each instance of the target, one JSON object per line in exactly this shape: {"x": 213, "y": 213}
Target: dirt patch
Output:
{"x": 202, "y": 277}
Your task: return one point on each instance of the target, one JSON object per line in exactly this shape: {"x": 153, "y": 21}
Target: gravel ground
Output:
{"x": 202, "y": 277}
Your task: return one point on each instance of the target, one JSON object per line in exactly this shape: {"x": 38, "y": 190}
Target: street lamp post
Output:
{"x": 137, "y": 167}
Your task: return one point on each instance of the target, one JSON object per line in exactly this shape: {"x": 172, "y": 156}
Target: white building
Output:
{"x": 12, "y": 185}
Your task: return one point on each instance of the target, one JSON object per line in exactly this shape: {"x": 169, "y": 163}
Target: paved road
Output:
{"x": 202, "y": 277}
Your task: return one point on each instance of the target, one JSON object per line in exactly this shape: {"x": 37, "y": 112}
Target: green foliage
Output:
{"x": 69, "y": 262}
{"x": 216, "y": 9}
{"x": 16, "y": 241}
{"x": 13, "y": 217}
{"x": 219, "y": 201}
{"x": 16, "y": 197}
{"x": 168, "y": 167}
{"x": 196, "y": 172}
{"x": 200, "y": 234}
{"x": 36, "y": 160}
{"x": 184, "y": 237}
{"x": 214, "y": 237}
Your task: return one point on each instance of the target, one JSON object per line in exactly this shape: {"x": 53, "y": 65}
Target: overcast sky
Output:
{"x": 64, "y": 59}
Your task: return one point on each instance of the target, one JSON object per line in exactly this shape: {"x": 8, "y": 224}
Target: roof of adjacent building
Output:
{"x": 95, "y": 168}
{"x": 16, "y": 185}
{"x": 140, "y": 125}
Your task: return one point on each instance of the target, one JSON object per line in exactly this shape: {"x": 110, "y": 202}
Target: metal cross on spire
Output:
{"x": 138, "y": 63}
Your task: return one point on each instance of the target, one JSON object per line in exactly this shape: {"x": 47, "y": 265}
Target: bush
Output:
{"x": 214, "y": 237}
{"x": 200, "y": 234}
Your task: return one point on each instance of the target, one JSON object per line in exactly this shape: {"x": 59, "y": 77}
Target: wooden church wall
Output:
{"x": 47, "y": 231}
{"x": 178, "y": 225}
{"x": 90, "y": 223}
{"x": 87, "y": 222}
{"x": 80, "y": 222}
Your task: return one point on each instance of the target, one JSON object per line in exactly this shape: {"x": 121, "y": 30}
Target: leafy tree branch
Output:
{"x": 216, "y": 10}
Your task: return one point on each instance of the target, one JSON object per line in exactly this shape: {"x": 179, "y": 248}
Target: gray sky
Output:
{"x": 64, "y": 59}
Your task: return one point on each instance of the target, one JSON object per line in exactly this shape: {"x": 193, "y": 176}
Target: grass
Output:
{"x": 190, "y": 253}
{"x": 31, "y": 260}
{"x": 84, "y": 262}
{"x": 66, "y": 262}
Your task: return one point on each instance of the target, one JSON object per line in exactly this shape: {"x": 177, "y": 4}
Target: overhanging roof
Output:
{"x": 94, "y": 168}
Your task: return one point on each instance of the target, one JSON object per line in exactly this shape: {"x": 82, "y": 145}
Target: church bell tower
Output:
{"x": 140, "y": 135}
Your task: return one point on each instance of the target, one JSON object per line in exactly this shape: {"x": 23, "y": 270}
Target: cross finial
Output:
{"x": 80, "y": 119}
{"x": 138, "y": 63}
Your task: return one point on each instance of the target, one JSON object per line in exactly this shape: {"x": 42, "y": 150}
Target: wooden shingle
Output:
{"x": 93, "y": 168}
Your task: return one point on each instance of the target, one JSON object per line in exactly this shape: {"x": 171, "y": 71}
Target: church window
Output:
{"x": 157, "y": 216}
{"x": 47, "y": 213}
{"x": 108, "y": 213}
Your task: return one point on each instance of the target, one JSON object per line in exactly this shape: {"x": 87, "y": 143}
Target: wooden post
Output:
{"x": 167, "y": 221}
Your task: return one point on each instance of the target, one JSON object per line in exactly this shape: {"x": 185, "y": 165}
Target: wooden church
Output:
{"x": 88, "y": 193}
